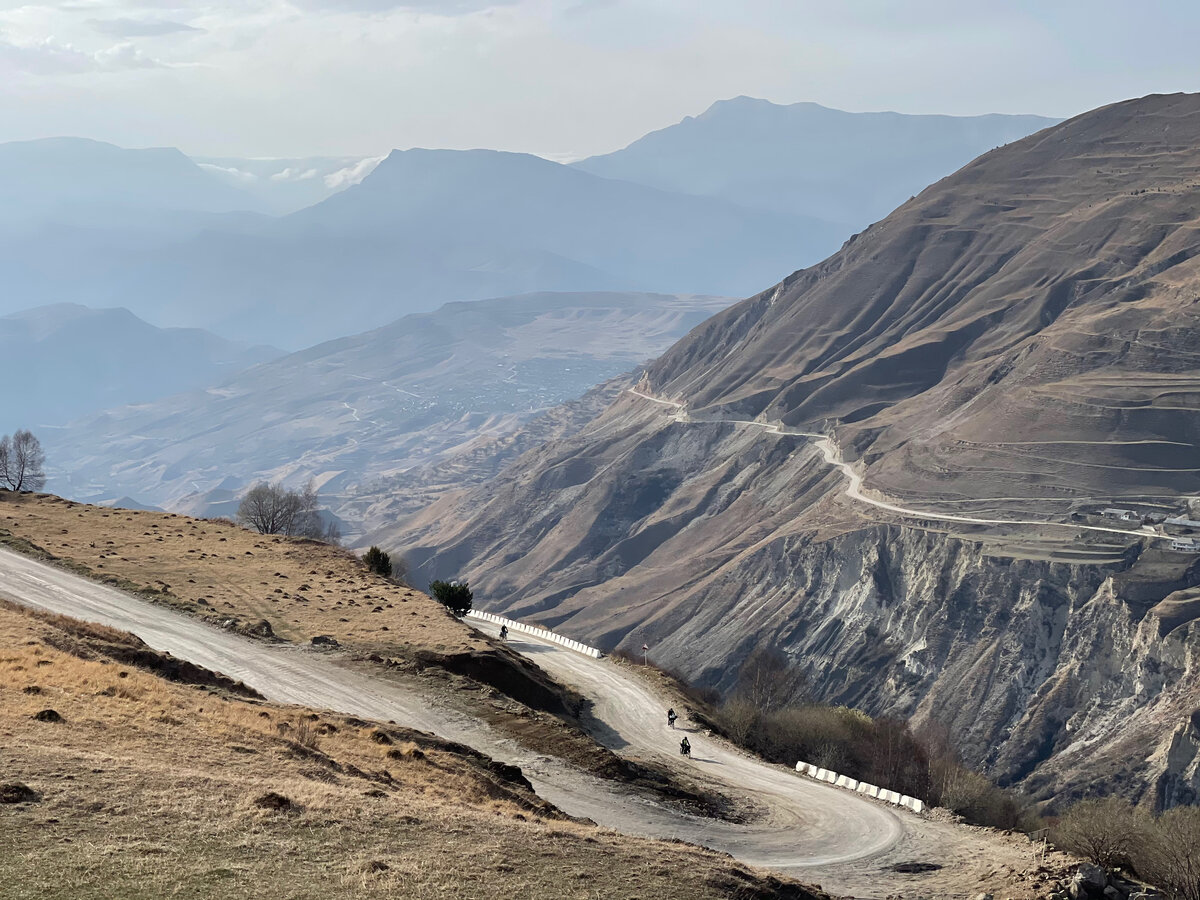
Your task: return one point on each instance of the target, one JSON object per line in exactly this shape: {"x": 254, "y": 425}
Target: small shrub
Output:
{"x": 16, "y": 792}
{"x": 378, "y": 562}
{"x": 456, "y": 596}
{"x": 306, "y": 735}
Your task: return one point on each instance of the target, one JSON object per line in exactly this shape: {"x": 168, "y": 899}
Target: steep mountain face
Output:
{"x": 71, "y": 360}
{"x": 1017, "y": 344}
{"x": 852, "y": 168}
{"x": 361, "y": 411}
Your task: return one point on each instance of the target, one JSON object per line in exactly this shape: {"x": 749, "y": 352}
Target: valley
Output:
{"x": 892, "y": 466}
{"x": 495, "y": 449}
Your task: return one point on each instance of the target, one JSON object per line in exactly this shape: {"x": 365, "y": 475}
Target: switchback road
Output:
{"x": 812, "y": 830}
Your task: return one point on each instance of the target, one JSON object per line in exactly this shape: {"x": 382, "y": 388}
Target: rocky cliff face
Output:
{"x": 1015, "y": 342}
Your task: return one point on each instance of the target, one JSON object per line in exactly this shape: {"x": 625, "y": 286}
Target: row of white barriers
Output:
{"x": 536, "y": 632}
{"x": 861, "y": 787}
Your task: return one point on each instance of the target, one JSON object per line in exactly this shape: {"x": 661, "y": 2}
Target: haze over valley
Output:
{"x": 507, "y": 449}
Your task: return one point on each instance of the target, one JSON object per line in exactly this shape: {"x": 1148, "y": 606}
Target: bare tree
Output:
{"x": 22, "y": 462}
{"x": 1104, "y": 832}
{"x": 1170, "y": 857}
{"x": 273, "y": 509}
{"x": 768, "y": 681}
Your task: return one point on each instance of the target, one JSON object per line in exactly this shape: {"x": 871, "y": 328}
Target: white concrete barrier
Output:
{"x": 536, "y": 631}
{"x": 860, "y": 787}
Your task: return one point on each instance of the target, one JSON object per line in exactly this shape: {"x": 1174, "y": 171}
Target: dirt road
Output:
{"x": 854, "y": 481}
{"x": 816, "y": 832}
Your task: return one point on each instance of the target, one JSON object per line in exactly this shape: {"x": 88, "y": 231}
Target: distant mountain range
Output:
{"x": 848, "y": 168}
{"x": 69, "y": 360}
{"x": 357, "y": 411}
{"x": 181, "y": 243}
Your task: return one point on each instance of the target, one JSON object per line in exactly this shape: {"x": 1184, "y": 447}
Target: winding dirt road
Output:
{"x": 815, "y": 831}
{"x": 854, "y": 480}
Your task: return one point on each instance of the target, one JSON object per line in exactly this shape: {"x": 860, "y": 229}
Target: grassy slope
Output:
{"x": 303, "y": 588}
{"x": 223, "y": 573}
{"x": 148, "y": 788}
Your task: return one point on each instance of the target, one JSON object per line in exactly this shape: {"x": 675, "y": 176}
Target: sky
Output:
{"x": 560, "y": 78}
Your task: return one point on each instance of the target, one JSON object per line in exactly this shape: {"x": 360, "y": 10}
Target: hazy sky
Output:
{"x": 555, "y": 77}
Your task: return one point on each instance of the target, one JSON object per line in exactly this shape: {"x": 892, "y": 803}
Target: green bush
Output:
{"x": 378, "y": 562}
{"x": 456, "y": 596}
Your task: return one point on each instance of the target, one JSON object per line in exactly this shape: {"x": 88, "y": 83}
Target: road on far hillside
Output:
{"x": 812, "y": 830}
{"x": 855, "y": 488}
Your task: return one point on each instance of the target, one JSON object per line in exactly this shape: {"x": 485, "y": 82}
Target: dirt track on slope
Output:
{"x": 813, "y": 831}
{"x": 855, "y": 488}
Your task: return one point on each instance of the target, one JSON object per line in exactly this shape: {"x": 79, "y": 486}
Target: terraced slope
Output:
{"x": 1019, "y": 342}
{"x": 1026, "y": 327}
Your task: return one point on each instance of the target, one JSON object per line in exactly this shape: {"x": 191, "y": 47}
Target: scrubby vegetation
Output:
{"x": 1112, "y": 833}
{"x": 769, "y": 713}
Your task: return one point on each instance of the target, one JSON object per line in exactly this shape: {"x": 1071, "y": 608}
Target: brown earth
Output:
{"x": 149, "y": 788}
{"x": 268, "y": 586}
{"x": 224, "y": 574}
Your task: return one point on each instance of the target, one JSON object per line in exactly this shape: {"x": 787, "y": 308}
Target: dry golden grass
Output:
{"x": 149, "y": 788}
{"x": 212, "y": 568}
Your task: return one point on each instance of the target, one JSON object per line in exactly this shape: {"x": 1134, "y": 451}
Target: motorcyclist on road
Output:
{"x": 671, "y": 717}
{"x": 685, "y": 747}
{"x": 504, "y": 632}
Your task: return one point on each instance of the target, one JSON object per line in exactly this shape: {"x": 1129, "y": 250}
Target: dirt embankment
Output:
{"x": 276, "y": 588}
{"x": 269, "y": 587}
{"x": 118, "y": 782}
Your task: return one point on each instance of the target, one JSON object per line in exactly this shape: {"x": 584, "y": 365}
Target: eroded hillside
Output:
{"x": 1016, "y": 343}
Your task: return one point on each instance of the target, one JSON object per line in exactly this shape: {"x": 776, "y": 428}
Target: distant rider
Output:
{"x": 504, "y": 632}
{"x": 685, "y": 748}
{"x": 671, "y": 717}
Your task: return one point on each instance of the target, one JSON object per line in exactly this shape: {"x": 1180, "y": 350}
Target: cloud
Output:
{"x": 44, "y": 58}
{"x": 125, "y": 56}
{"x": 292, "y": 173}
{"x": 351, "y": 175}
{"x": 436, "y": 7}
{"x": 125, "y": 27}
{"x": 50, "y": 57}
{"x": 230, "y": 173}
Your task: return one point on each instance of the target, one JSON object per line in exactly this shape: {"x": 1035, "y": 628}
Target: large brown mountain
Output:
{"x": 1019, "y": 342}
